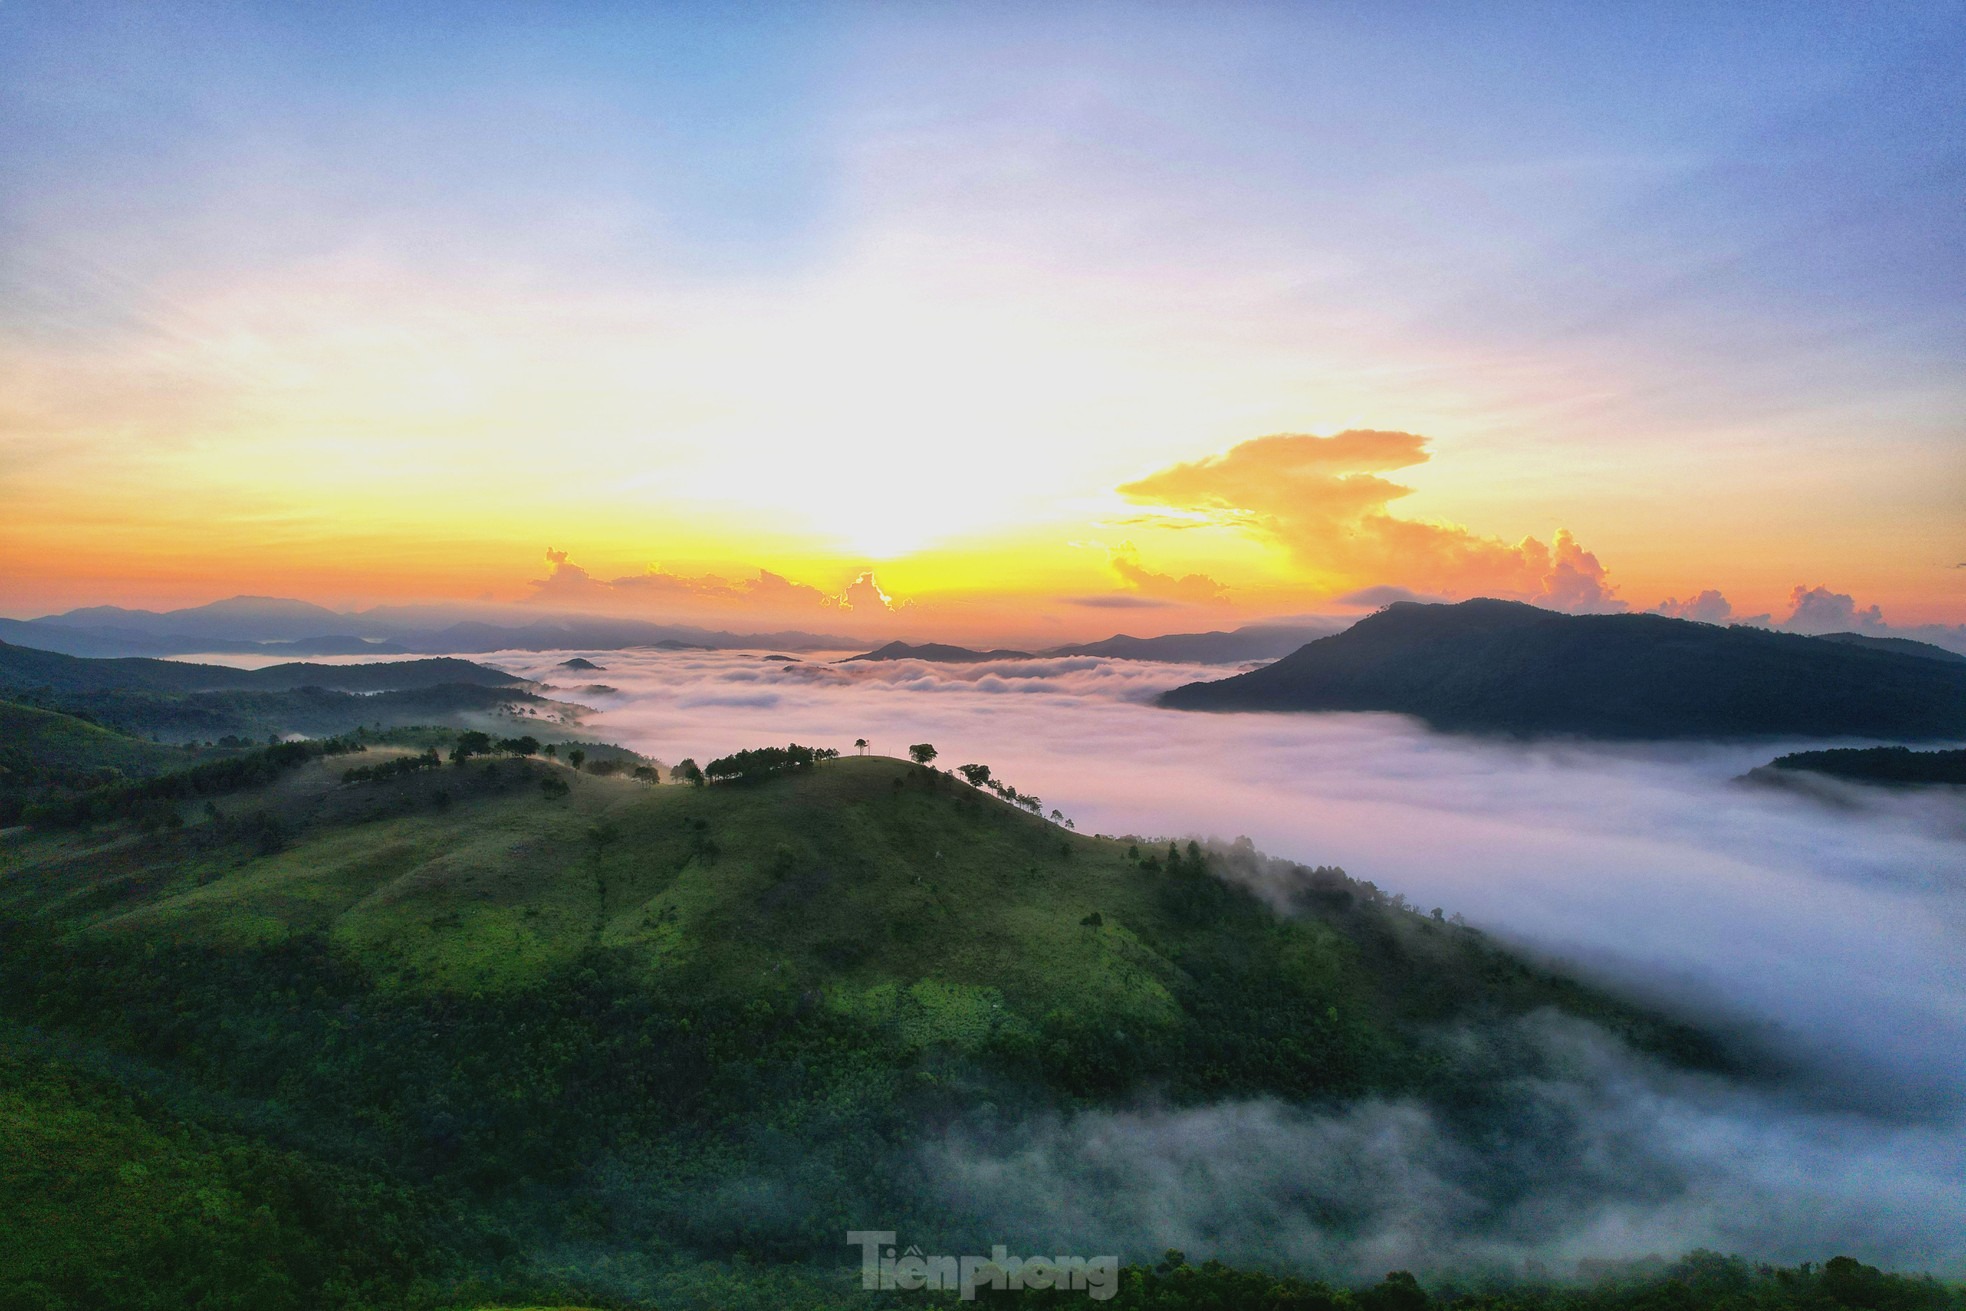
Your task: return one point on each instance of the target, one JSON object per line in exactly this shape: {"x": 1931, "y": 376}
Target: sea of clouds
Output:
{"x": 1831, "y": 929}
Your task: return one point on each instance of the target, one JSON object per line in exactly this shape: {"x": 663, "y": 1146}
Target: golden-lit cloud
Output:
{"x": 1187, "y": 589}
{"x": 656, "y": 591}
{"x": 1324, "y": 502}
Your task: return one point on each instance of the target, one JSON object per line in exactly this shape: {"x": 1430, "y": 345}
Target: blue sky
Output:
{"x": 1604, "y": 258}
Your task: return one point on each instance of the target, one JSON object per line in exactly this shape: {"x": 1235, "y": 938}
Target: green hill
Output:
{"x": 1502, "y": 667}
{"x": 44, "y": 752}
{"x": 564, "y": 1038}
{"x": 666, "y": 998}
{"x": 35, "y": 741}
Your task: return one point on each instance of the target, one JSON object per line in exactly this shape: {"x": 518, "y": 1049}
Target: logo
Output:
{"x": 885, "y": 1268}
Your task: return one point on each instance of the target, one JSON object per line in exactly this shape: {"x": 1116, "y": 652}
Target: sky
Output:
{"x": 990, "y": 321}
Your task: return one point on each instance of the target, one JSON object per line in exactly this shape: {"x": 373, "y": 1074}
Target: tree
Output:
{"x": 977, "y": 776}
{"x": 921, "y": 753}
{"x": 576, "y": 758}
{"x": 687, "y": 771}
{"x": 860, "y": 745}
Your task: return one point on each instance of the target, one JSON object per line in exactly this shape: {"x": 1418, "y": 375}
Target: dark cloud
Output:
{"x": 1118, "y": 601}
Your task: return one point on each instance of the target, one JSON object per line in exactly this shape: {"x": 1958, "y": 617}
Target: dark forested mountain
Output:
{"x": 1503, "y": 667}
{"x": 1890, "y": 766}
{"x": 1901, "y": 645}
{"x": 24, "y": 667}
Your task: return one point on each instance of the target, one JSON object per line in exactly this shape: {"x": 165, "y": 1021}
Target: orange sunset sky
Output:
{"x": 995, "y": 323}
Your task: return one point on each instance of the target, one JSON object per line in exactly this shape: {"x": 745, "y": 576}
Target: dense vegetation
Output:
{"x": 1899, "y": 765}
{"x": 45, "y": 754}
{"x": 1503, "y": 667}
{"x": 175, "y": 701}
{"x": 756, "y": 764}
{"x": 416, "y": 1031}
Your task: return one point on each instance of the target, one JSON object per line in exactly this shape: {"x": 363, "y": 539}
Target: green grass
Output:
{"x": 49, "y": 740}
{"x": 898, "y": 896}
{"x": 684, "y": 1035}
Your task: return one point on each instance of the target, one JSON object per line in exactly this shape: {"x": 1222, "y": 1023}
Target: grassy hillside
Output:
{"x": 39, "y": 742}
{"x": 44, "y": 753}
{"x": 1503, "y": 667}
{"x": 580, "y": 1038}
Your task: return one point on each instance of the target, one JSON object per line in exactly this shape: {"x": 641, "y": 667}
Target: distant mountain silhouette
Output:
{"x": 275, "y": 626}
{"x": 1503, "y": 667}
{"x": 1250, "y": 642}
{"x": 579, "y": 662}
{"x": 23, "y": 668}
{"x": 937, "y": 653}
{"x": 1901, "y": 645}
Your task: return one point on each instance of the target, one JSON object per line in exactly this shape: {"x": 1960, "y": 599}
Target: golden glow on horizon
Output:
{"x": 960, "y": 427}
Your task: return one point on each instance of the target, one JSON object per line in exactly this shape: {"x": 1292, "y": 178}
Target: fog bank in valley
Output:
{"x": 1836, "y": 934}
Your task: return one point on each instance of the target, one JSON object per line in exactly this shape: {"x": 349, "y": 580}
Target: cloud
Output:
{"x": 567, "y": 582}
{"x": 864, "y": 594}
{"x": 1323, "y": 499}
{"x": 1591, "y": 1154}
{"x": 1189, "y": 589}
{"x": 1819, "y": 610}
{"x": 1117, "y": 601}
{"x": 1709, "y": 607}
{"x": 1382, "y": 595}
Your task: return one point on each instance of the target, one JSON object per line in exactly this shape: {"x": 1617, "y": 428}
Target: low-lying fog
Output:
{"x": 1833, "y": 932}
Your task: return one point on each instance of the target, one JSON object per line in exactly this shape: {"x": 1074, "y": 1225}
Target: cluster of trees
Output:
{"x": 979, "y": 776}
{"x": 473, "y": 743}
{"x": 762, "y": 763}
{"x": 1880, "y": 764}
{"x": 1699, "y": 1281}
{"x": 214, "y": 778}
{"x": 387, "y": 770}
